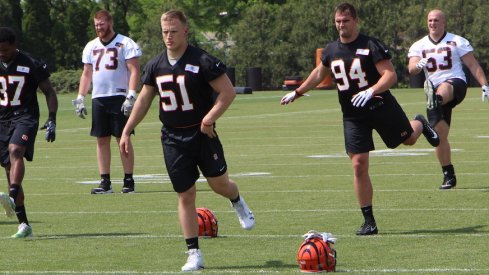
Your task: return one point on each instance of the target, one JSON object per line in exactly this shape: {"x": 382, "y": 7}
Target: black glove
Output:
{"x": 50, "y": 127}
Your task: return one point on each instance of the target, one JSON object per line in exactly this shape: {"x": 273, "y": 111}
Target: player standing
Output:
{"x": 111, "y": 63}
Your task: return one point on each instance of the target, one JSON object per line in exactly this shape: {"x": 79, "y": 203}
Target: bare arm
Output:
{"x": 474, "y": 67}
{"x": 141, "y": 107}
{"x": 133, "y": 67}
{"x": 51, "y": 98}
{"x": 85, "y": 80}
{"x": 223, "y": 86}
{"x": 315, "y": 77}
{"x": 388, "y": 76}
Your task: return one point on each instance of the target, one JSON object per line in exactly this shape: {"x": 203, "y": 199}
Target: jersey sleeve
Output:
{"x": 212, "y": 67}
{"x": 463, "y": 46}
{"x": 132, "y": 50}
{"x": 379, "y": 51}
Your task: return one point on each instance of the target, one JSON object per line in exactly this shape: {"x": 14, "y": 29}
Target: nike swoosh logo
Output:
{"x": 434, "y": 134}
{"x": 372, "y": 229}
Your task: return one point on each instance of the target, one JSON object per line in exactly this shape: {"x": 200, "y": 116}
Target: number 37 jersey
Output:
{"x": 18, "y": 85}
{"x": 184, "y": 90}
{"x": 353, "y": 67}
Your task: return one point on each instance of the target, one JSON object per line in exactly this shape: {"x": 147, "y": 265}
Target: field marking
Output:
{"x": 255, "y": 271}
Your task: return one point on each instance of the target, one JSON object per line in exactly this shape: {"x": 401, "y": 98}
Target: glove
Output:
{"x": 327, "y": 237}
{"x": 129, "y": 103}
{"x": 50, "y": 127}
{"x": 485, "y": 92}
{"x": 422, "y": 63}
{"x": 360, "y": 99}
{"x": 290, "y": 97}
{"x": 79, "y": 106}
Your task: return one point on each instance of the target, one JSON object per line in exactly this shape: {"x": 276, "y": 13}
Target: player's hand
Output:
{"x": 50, "y": 127}
{"x": 80, "y": 109}
{"x": 360, "y": 99}
{"x": 422, "y": 63}
{"x": 127, "y": 106}
{"x": 485, "y": 92}
{"x": 290, "y": 97}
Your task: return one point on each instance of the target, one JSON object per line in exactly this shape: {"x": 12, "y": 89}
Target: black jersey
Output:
{"x": 18, "y": 86}
{"x": 184, "y": 90}
{"x": 353, "y": 67}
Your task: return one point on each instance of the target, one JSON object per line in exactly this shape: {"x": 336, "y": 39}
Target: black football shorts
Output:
{"x": 21, "y": 131}
{"x": 107, "y": 118}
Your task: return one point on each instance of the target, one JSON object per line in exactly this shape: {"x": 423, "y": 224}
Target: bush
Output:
{"x": 66, "y": 81}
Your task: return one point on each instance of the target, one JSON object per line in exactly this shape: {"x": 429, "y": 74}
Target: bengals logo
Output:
{"x": 25, "y": 138}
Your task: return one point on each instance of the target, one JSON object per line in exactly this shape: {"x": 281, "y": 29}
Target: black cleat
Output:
{"x": 128, "y": 186}
{"x": 448, "y": 183}
{"x": 367, "y": 229}
{"x": 104, "y": 188}
{"x": 429, "y": 133}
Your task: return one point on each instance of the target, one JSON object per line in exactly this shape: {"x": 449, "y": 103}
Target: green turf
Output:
{"x": 290, "y": 165}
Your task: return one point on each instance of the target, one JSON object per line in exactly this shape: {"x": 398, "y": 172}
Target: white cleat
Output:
{"x": 195, "y": 260}
{"x": 8, "y": 204}
{"x": 245, "y": 216}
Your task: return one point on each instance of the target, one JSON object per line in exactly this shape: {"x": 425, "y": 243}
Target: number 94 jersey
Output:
{"x": 184, "y": 90}
{"x": 353, "y": 67}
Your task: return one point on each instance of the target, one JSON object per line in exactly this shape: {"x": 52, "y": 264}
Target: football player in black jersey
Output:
{"x": 20, "y": 76}
{"x": 364, "y": 73}
{"x": 184, "y": 78}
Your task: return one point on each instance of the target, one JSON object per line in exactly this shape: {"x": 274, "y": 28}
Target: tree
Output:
{"x": 11, "y": 16}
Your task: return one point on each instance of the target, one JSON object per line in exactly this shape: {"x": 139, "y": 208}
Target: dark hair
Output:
{"x": 103, "y": 14}
{"x": 7, "y": 35}
{"x": 346, "y": 8}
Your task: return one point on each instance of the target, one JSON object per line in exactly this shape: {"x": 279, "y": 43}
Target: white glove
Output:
{"x": 327, "y": 237}
{"x": 290, "y": 97}
{"x": 485, "y": 92}
{"x": 360, "y": 99}
{"x": 79, "y": 106}
{"x": 126, "y": 108}
{"x": 422, "y": 63}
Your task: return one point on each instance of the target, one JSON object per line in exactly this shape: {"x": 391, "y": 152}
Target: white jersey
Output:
{"x": 445, "y": 56}
{"x": 110, "y": 76}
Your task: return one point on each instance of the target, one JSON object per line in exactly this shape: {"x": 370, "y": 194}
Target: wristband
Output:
{"x": 80, "y": 97}
{"x": 131, "y": 94}
{"x": 52, "y": 116}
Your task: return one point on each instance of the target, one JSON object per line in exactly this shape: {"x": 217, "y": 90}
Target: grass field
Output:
{"x": 290, "y": 165}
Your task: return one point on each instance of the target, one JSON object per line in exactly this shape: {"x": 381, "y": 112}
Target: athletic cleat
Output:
{"x": 195, "y": 260}
{"x": 8, "y": 204}
{"x": 448, "y": 183}
{"x": 367, "y": 229}
{"x": 429, "y": 132}
{"x": 431, "y": 100}
{"x": 245, "y": 216}
{"x": 25, "y": 231}
{"x": 128, "y": 186}
{"x": 104, "y": 188}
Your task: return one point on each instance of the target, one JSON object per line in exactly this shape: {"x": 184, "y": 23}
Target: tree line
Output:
{"x": 278, "y": 36}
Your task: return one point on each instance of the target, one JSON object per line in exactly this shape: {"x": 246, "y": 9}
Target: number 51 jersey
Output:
{"x": 184, "y": 90}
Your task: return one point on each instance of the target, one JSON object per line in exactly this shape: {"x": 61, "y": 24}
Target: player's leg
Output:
{"x": 103, "y": 161}
{"x": 128, "y": 167}
{"x": 364, "y": 192}
{"x": 227, "y": 188}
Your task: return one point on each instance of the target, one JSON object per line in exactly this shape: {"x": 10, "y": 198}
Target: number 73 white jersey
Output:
{"x": 110, "y": 76}
{"x": 444, "y": 56}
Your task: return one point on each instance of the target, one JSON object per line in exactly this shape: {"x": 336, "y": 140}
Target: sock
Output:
{"x": 368, "y": 214}
{"x": 448, "y": 171}
{"x": 236, "y": 199}
{"x": 192, "y": 243}
{"x": 128, "y": 176}
{"x": 21, "y": 215}
{"x": 14, "y": 190}
{"x": 105, "y": 177}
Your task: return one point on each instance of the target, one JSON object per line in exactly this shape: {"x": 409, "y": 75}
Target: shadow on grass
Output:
{"x": 266, "y": 265}
{"x": 462, "y": 230}
{"x": 86, "y": 236}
